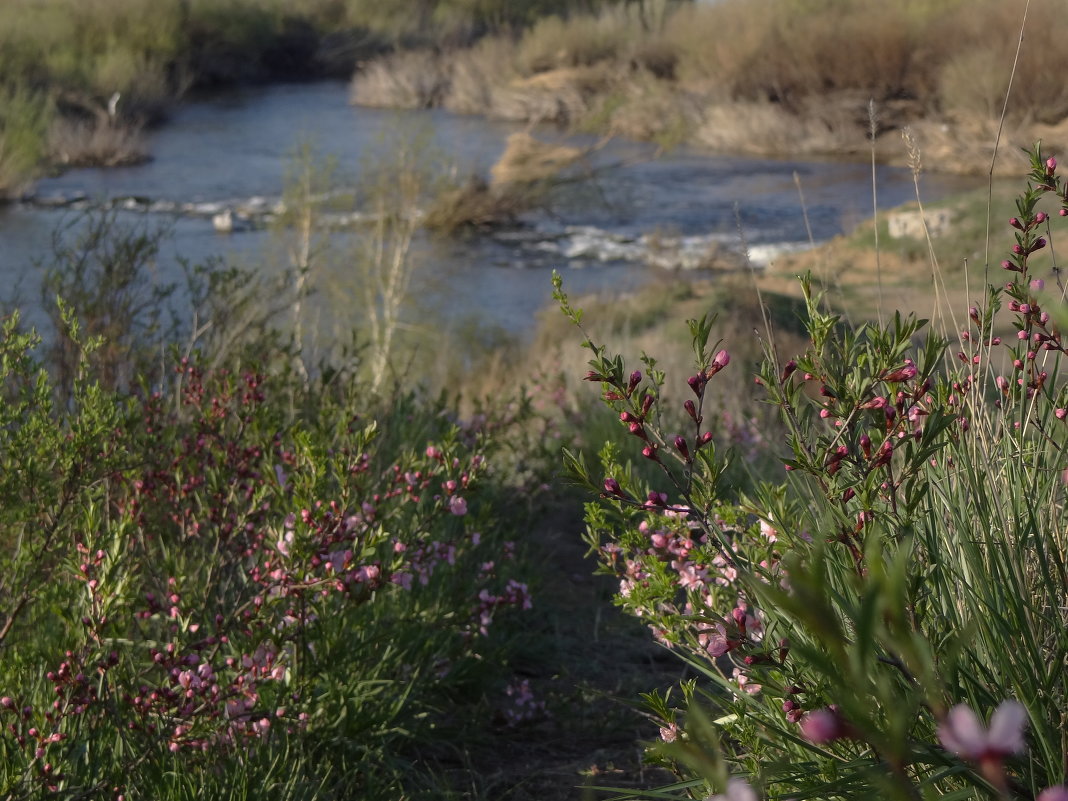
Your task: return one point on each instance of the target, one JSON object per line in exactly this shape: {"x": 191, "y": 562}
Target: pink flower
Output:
{"x": 457, "y": 505}
{"x": 768, "y": 531}
{"x": 1058, "y": 793}
{"x": 669, "y": 733}
{"x": 715, "y": 641}
{"x": 962, "y": 733}
{"x": 822, "y": 726}
{"x": 737, "y": 790}
{"x": 721, "y": 360}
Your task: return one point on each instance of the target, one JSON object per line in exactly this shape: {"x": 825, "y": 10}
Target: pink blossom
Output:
{"x": 669, "y": 733}
{"x": 745, "y": 683}
{"x": 1058, "y": 793}
{"x": 457, "y": 505}
{"x": 715, "y": 641}
{"x": 822, "y": 726}
{"x": 737, "y": 790}
{"x": 768, "y": 531}
{"x": 962, "y": 732}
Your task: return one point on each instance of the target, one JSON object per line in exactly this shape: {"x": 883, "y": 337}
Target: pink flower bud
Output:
{"x": 1041, "y": 217}
{"x": 680, "y": 446}
{"x": 1051, "y": 165}
{"x": 822, "y": 726}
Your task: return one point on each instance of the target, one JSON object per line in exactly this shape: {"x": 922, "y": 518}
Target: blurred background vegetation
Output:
{"x": 78, "y": 80}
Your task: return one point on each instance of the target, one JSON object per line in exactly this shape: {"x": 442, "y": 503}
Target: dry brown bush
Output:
{"x": 974, "y": 75}
{"x": 562, "y": 96}
{"x": 768, "y": 128}
{"x": 579, "y": 41}
{"x": 526, "y": 160}
{"x": 412, "y": 79}
{"x": 97, "y": 142}
{"x": 478, "y": 74}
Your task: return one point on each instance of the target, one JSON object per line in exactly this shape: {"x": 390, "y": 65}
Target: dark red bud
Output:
{"x": 680, "y": 446}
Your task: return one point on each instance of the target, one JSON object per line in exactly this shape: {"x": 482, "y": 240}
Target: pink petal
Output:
{"x": 739, "y": 790}
{"x": 1058, "y": 793}
{"x": 962, "y": 733}
{"x": 1007, "y": 726}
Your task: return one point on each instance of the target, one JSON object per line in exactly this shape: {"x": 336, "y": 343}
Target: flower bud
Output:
{"x": 680, "y": 446}
{"x": 647, "y": 404}
{"x": 822, "y": 726}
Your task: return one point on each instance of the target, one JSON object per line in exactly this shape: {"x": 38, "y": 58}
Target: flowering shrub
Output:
{"x": 209, "y": 592}
{"x": 854, "y": 620}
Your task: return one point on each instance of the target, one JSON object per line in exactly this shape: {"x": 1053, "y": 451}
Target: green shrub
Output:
{"x": 853, "y": 620}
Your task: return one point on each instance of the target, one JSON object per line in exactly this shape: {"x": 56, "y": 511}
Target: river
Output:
{"x": 238, "y": 145}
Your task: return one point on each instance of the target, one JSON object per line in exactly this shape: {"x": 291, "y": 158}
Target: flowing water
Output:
{"x": 235, "y": 147}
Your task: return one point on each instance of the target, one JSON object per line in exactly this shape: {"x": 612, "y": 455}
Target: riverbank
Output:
{"x": 795, "y": 80}
{"x": 79, "y": 82}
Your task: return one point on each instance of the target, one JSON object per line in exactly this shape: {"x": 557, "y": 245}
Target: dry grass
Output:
{"x": 410, "y": 79}
{"x": 526, "y": 160}
{"x": 526, "y": 171}
{"x": 96, "y": 143}
{"x": 579, "y": 41}
{"x": 478, "y": 74}
{"x": 795, "y": 78}
{"x": 768, "y": 128}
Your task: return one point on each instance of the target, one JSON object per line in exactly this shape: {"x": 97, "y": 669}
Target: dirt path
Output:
{"x": 590, "y": 664}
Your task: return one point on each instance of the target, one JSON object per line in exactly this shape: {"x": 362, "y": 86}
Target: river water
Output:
{"x": 237, "y": 146}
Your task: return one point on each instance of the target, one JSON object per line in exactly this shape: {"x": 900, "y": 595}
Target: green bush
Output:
{"x": 853, "y": 620}
{"x": 229, "y": 577}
